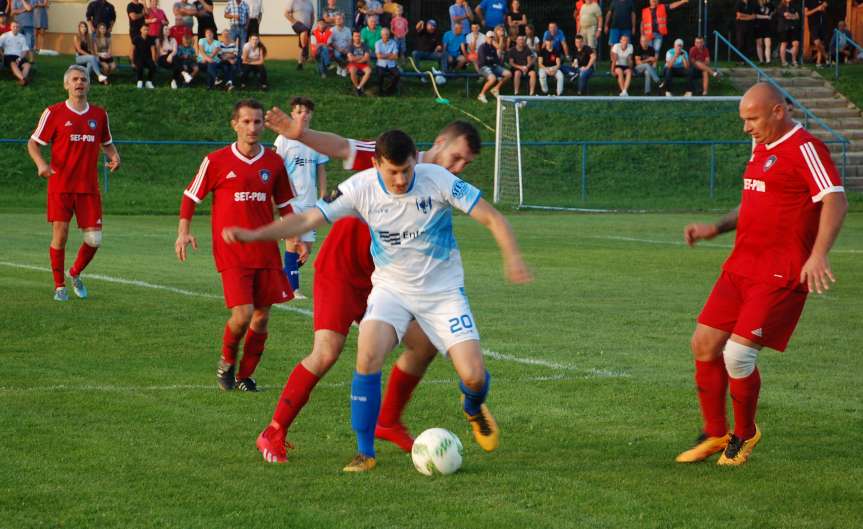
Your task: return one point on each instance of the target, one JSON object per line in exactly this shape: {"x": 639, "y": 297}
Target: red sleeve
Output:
{"x": 282, "y": 192}
{"x": 44, "y": 132}
{"x": 819, "y": 171}
{"x": 202, "y": 184}
{"x": 187, "y": 208}
{"x": 361, "y": 155}
{"x": 107, "y": 139}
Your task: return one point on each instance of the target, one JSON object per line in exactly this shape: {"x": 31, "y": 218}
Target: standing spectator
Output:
{"x": 16, "y": 53}
{"x": 320, "y": 43}
{"x": 84, "y": 52}
{"x": 558, "y": 39}
{"x": 390, "y": 11}
{"x": 237, "y": 12}
{"x": 143, "y": 52}
{"x": 371, "y": 34}
{"x": 4, "y": 21}
{"x": 208, "y": 56}
{"x": 186, "y": 58}
{"x": 167, "y": 48}
{"x": 654, "y": 21}
{"x": 815, "y": 10}
{"x": 229, "y": 58}
{"x": 399, "y": 26}
{"x": 374, "y": 7}
{"x": 491, "y": 68}
{"x": 788, "y": 29}
{"x": 841, "y": 42}
{"x": 358, "y": 63}
{"x": 453, "y": 44}
{"x": 584, "y": 60}
{"x": 549, "y": 66}
{"x": 699, "y": 59}
{"x": 183, "y": 10}
{"x": 40, "y": 21}
{"x": 359, "y": 21}
{"x": 427, "y": 44}
{"x": 515, "y": 19}
{"x": 256, "y": 13}
{"x": 180, "y": 30}
{"x": 522, "y": 61}
{"x": 341, "y": 43}
{"x": 620, "y": 20}
{"x": 102, "y": 49}
{"x": 621, "y": 64}
{"x": 135, "y": 12}
{"x": 21, "y": 11}
{"x": 473, "y": 41}
{"x": 203, "y": 11}
{"x": 645, "y": 63}
{"x": 530, "y": 39}
{"x": 101, "y": 11}
{"x": 491, "y": 13}
{"x": 744, "y": 24}
{"x": 764, "y": 31}
{"x": 677, "y": 65}
{"x": 156, "y": 20}
{"x": 460, "y": 13}
{"x": 254, "y": 54}
{"x": 299, "y": 13}
{"x": 589, "y": 22}
{"x": 386, "y": 55}
{"x": 330, "y": 13}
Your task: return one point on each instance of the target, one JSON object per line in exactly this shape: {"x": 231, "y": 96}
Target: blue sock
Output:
{"x": 365, "y": 406}
{"x": 474, "y": 399}
{"x": 292, "y": 269}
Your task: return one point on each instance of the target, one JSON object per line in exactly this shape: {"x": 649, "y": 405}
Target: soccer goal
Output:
{"x": 618, "y": 153}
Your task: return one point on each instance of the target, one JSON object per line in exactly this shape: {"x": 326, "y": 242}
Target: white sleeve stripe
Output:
{"x": 348, "y": 163}
{"x": 834, "y": 189}
{"x": 815, "y": 167}
{"x": 283, "y": 204}
{"x": 199, "y": 178}
{"x": 191, "y": 195}
{"x": 108, "y": 128}
{"x": 44, "y": 119}
{"x": 38, "y": 140}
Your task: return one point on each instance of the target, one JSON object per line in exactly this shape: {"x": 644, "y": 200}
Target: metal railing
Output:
{"x": 848, "y": 40}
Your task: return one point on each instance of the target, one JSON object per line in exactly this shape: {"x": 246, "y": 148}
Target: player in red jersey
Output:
{"x": 342, "y": 284}
{"x": 790, "y": 213}
{"x": 78, "y": 133}
{"x": 245, "y": 180}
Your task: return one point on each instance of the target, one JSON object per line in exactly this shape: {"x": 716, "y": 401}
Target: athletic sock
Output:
{"x": 57, "y": 266}
{"x": 230, "y": 344}
{"x": 400, "y": 387}
{"x": 292, "y": 269}
{"x": 473, "y": 399}
{"x": 295, "y": 395}
{"x": 711, "y": 382}
{"x": 744, "y": 400}
{"x": 253, "y": 348}
{"x": 365, "y": 405}
{"x": 85, "y": 255}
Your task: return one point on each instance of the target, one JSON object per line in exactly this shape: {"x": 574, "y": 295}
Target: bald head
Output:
{"x": 766, "y": 117}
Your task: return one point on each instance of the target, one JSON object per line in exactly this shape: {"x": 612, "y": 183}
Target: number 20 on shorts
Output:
{"x": 461, "y": 323}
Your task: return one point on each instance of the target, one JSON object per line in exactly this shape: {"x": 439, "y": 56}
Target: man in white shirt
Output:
{"x": 16, "y": 53}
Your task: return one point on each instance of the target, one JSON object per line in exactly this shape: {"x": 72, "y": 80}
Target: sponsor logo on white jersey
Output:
{"x": 232, "y": 174}
{"x": 752, "y": 184}
{"x": 250, "y": 196}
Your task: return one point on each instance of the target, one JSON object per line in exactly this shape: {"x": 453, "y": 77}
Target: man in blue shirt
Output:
{"x": 491, "y": 13}
{"x": 453, "y": 40}
{"x": 556, "y": 36}
{"x": 387, "y": 53}
{"x": 677, "y": 65}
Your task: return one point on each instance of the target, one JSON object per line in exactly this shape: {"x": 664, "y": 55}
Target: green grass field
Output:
{"x": 112, "y": 417}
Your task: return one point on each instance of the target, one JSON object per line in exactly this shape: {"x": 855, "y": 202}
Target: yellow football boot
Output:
{"x": 485, "y": 429}
{"x": 360, "y": 463}
{"x": 705, "y": 446}
{"x": 738, "y": 450}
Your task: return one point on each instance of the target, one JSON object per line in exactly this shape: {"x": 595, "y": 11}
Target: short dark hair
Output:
{"x": 254, "y": 104}
{"x": 579, "y": 37}
{"x": 458, "y": 129}
{"x": 303, "y": 102}
{"x": 395, "y": 146}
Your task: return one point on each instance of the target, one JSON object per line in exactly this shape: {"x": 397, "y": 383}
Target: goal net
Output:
{"x": 618, "y": 153}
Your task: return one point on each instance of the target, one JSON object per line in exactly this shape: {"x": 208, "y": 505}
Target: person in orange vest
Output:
{"x": 654, "y": 21}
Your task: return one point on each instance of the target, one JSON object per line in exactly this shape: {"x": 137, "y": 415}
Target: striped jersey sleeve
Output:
{"x": 361, "y": 155}
{"x": 820, "y": 172}
{"x": 201, "y": 184}
{"x": 44, "y": 129}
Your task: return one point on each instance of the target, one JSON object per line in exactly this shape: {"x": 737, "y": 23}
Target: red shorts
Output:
{"x": 338, "y": 304}
{"x": 87, "y": 208}
{"x": 357, "y": 67}
{"x": 764, "y": 313}
{"x": 260, "y": 287}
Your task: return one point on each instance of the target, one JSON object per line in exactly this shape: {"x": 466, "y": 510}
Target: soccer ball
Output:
{"x": 437, "y": 451}
{"x": 440, "y": 79}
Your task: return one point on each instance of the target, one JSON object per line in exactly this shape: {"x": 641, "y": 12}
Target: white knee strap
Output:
{"x": 739, "y": 359}
{"x": 93, "y": 238}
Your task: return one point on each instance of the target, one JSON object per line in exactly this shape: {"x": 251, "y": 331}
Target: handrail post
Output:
{"x": 836, "y": 61}
{"x": 584, "y": 171}
{"x": 712, "y": 171}
{"x": 716, "y": 48}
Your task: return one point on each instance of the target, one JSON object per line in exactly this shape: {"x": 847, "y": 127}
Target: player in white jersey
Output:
{"x": 308, "y": 178}
{"x": 418, "y": 275}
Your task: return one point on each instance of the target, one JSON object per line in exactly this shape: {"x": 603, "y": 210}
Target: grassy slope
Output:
{"x": 850, "y": 81}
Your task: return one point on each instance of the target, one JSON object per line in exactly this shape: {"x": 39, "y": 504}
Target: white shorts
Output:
{"x": 310, "y": 236}
{"x": 444, "y": 317}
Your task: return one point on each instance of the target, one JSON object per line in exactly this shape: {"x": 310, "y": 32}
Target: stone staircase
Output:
{"x": 830, "y": 106}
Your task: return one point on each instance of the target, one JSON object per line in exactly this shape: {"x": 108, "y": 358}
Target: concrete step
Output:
{"x": 855, "y": 135}
{"x": 828, "y": 114}
{"x": 813, "y": 92}
{"x": 824, "y": 102}
{"x": 853, "y": 147}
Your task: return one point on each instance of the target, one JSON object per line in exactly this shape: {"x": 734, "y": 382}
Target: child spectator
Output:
{"x": 186, "y": 59}
{"x": 254, "y": 53}
{"x": 167, "y": 48}
{"x": 399, "y": 28}
{"x": 142, "y": 58}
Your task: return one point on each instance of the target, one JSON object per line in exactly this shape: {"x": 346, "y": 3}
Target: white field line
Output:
{"x": 592, "y": 373}
{"x": 681, "y": 243}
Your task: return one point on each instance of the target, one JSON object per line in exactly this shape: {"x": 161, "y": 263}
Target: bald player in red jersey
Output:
{"x": 78, "y": 133}
{"x": 790, "y": 213}
{"x": 343, "y": 270}
{"x": 246, "y": 180}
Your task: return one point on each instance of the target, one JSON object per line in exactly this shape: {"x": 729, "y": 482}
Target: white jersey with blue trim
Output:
{"x": 413, "y": 245}
{"x": 302, "y": 163}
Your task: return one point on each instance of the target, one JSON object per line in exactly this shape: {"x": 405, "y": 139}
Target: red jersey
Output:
{"x": 244, "y": 190}
{"x": 780, "y": 208}
{"x": 76, "y": 140}
{"x": 179, "y": 31}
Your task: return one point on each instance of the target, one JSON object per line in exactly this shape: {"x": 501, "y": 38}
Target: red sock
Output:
{"x": 400, "y": 387}
{"x": 85, "y": 255}
{"x": 57, "y": 258}
{"x": 295, "y": 395}
{"x": 711, "y": 381}
{"x": 253, "y": 348}
{"x": 744, "y": 400}
{"x": 230, "y": 344}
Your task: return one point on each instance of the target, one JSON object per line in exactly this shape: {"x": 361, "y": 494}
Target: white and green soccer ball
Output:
{"x": 437, "y": 451}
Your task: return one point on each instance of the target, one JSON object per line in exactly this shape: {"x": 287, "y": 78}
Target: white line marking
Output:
{"x": 553, "y": 365}
{"x": 681, "y": 243}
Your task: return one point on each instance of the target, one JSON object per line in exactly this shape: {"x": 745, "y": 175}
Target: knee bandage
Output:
{"x": 739, "y": 359}
{"x": 93, "y": 238}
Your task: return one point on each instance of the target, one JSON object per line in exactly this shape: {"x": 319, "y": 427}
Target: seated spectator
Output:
{"x": 515, "y": 19}
{"x": 645, "y": 63}
{"x": 531, "y": 40}
{"x": 208, "y": 56}
{"x": 180, "y": 30}
{"x": 387, "y": 53}
{"x": 167, "y": 48}
{"x": 549, "y": 66}
{"x": 341, "y": 43}
{"x": 584, "y": 61}
{"x": 501, "y": 39}
{"x": 186, "y": 59}
{"x": 399, "y": 27}
{"x": 427, "y": 44}
{"x": 677, "y": 65}
{"x": 699, "y": 58}
{"x": 522, "y": 61}
{"x": 330, "y": 13}
{"x": 453, "y": 43}
{"x": 16, "y": 53}
{"x": 621, "y": 63}
{"x": 142, "y": 58}
{"x": 84, "y": 52}
{"x": 254, "y": 53}
{"x": 4, "y": 22}
{"x": 558, "y": 38}
{"x": 473, "y": 41}
{"x": 841, "y": 41}
{"x": 102, "y": 49}
{"x": 358, "y": 63}
{"x": 371, "y": 34}
{"x": 229, "y": 56}
{"x": 390, "y": 11}
{"x": 320, "y": 43}
{"x": 491, "y": 68}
